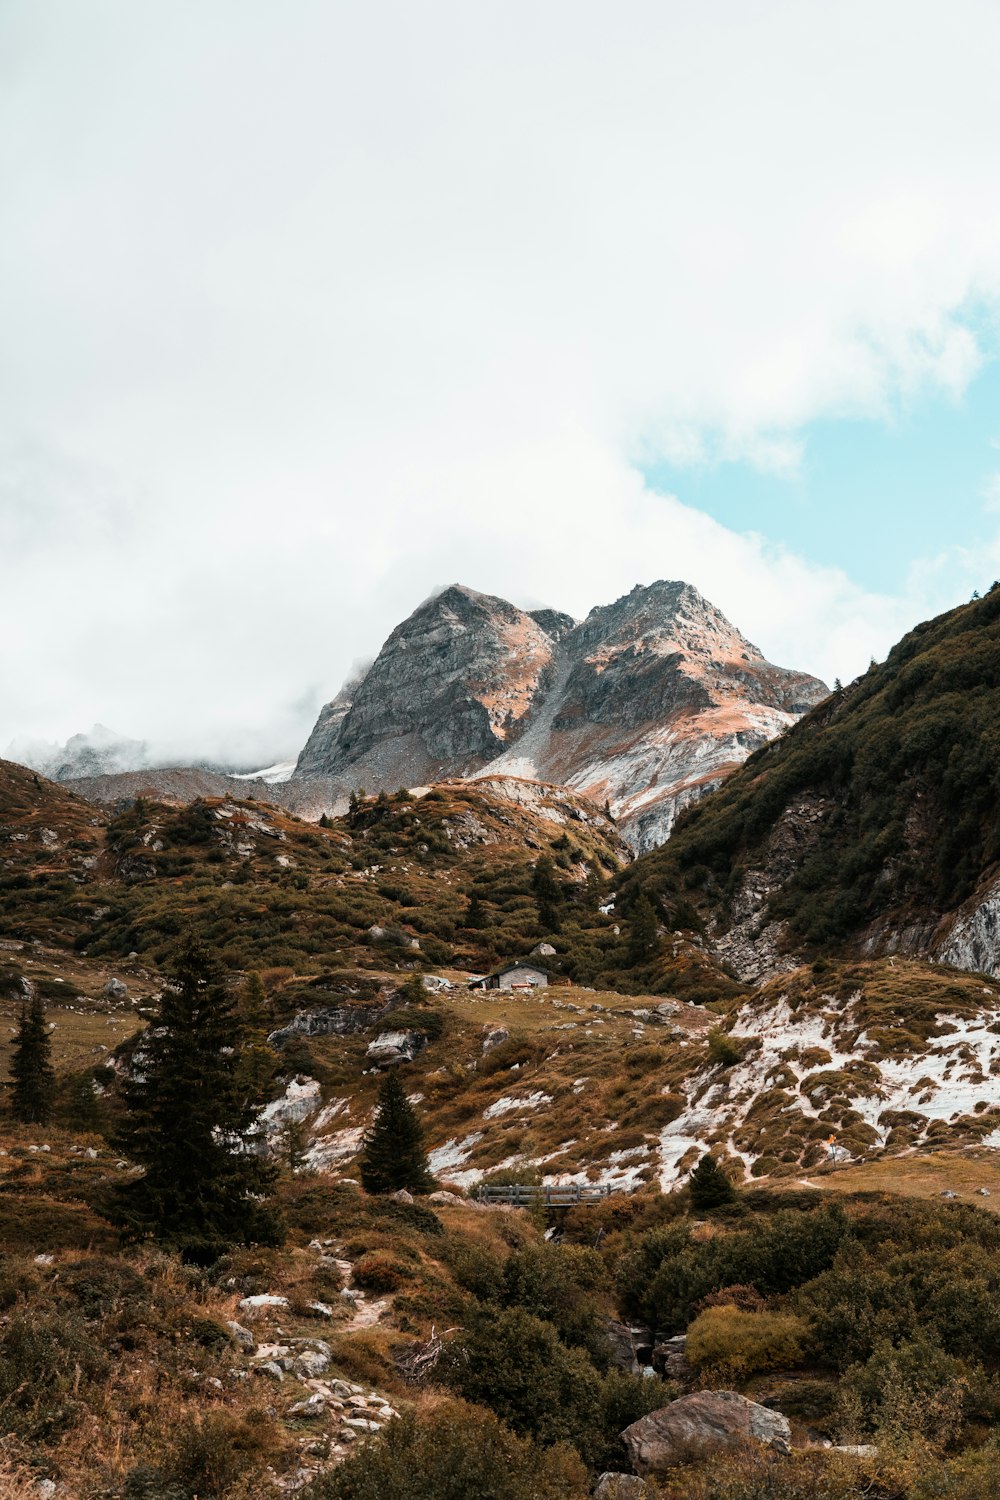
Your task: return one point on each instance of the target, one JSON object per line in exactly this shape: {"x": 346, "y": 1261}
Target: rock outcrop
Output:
{"x": 620, "y": 1487}
{"x": 705, "y": 1422}
{"x": 646, "y": 704}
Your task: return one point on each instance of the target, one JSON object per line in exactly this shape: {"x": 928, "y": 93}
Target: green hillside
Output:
{"x": 882, "y": 805}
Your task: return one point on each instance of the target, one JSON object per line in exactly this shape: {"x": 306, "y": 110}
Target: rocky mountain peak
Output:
{"x": 445, "y": 693}
{"x": 671, "y": 612}
{"x": 645, "y": 704}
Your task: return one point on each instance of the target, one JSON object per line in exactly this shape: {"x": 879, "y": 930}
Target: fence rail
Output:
{"x": 524, "y": 1194}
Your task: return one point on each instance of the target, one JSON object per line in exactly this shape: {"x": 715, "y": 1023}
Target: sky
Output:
{"x": 310, "y": 308}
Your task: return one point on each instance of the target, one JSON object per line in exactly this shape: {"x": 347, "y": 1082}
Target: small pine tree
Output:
{"x": 34, "y": 1093}
{"x": 257, "y": 1060}
{"x": 393, "y": 1155}
{"x": 547, "y": 893}
{"x": 644, "y": 931}
{"x": 293, "y": 1145}
{"x": 709, "y": 1185}
{"x": 325, "y": 821}
{"x": 190, "y": 1119}
{"x": 85, "y": 1110}
{"x": 413, "y": 991}
{"x": 475, "y": 916}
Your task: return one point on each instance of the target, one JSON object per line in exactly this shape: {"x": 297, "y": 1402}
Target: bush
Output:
{"x": 725, "y": 1342}
{"x": 46, "y": 1363}
{"x": 723, "y": 1050}
{"x": 914, "y": 1388}
{"x": 624, "y": 1400}
{"x": 558, "y": 1284}
{"x": 773, "y": 1256}
{"x": 514, "y": 1364}
{"x": 213, "y": 1452}
{"x": 378, "y": 1271}
{"x": 455, "y": 1452}
{"x": 101, "y": 1285}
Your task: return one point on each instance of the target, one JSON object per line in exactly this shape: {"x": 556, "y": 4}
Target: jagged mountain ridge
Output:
{"x": 646, "y": 704}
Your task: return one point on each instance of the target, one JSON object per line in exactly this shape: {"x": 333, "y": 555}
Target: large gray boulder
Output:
{"x": 704, "y": 1422}
{"x": 392, "y": 1047}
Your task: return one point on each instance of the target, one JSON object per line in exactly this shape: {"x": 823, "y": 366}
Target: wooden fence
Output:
{"x": 524, "y": 1195}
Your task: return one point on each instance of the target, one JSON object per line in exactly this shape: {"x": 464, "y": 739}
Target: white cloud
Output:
{"x": 304, "y": 309}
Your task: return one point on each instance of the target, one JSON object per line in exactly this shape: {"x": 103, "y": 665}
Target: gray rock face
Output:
{"x": 338, "y": 1020}
{"x": 448, "y": 685}
{"x": 706, "y": 1421}
{"x": 646, "y": 704}
{"x": 974, "y": 939}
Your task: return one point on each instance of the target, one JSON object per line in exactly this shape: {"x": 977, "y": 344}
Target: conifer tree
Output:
{"x": 257, "y": 1061}
{"x": 643, "y": 930}
{"x": 190, "y": 1116}
{"x": 709, "y": 1185}
{"x": 85, "y": 1109}
{"x": 475, "y": 916}
{"x": 547, "y": 893}
{"x": 34, "y": 1092}
{"x": 413, "y": 991}
{"x": 393, "y": 1155}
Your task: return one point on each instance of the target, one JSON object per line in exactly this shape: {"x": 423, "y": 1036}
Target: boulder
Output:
{"x": 113, "y": 989}
{"x": 670, "y": 1358}
{"x": 704, "y": 1422}
{"x": 392, "y": 1047}
{"x": 620, "y": 1487}
{"x": 494, "y": 1036}
{"x": 242, "y": 1335}
{"x": 620, "y": 1345}
{"x": 543, "y": 950}
{"x": 261, "y": 1303}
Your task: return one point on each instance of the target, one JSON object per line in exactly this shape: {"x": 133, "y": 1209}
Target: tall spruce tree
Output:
{"x": 190, "y": 1112}
{"x": 547, "y": 892}
{"x": 475, "y": 916}
{"x": 34, "y": 1092}
{"x": 644, "y": 932}
{"x": 393, "y": 1155}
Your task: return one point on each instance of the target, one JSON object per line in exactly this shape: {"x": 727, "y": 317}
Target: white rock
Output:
{"x": 261, "y": 1302}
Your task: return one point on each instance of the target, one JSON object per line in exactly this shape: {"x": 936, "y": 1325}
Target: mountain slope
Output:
{"x": 646, "y": 704}
{"x": 874, "y": 823}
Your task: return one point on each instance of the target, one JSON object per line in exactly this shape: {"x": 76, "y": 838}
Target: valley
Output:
{"x": 711, "y": 1000}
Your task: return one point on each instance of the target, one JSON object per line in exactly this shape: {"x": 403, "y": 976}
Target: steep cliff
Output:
{"x": 645, "y": 705}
